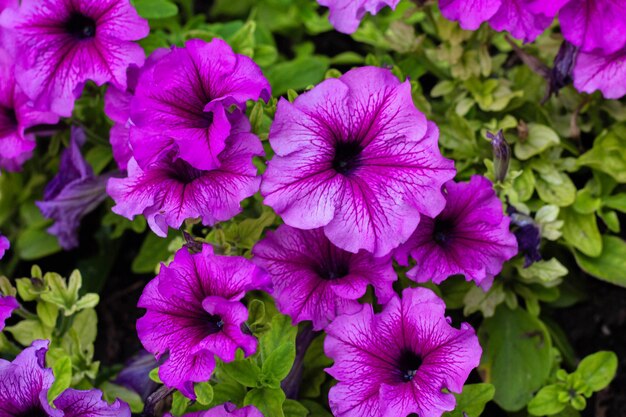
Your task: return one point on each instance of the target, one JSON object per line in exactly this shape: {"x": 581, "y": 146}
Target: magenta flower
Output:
{"x": 226, "y": 410}
{"x": 117, "y": 107}
{"x": 607, "y": 73}
{"x": 170, "y": 190}
{"x": 24, "y": 385}
{"x": 315, "y": 280}
{"x": 63, "y": 44}
{"x": 355, "y": 156}
{"x": 7, "y": 305}
{"x": 72, "y": 194}
{"x": 399, "y": 362}
{"x": 194, "y": 313}
{"x": 4, "y": 245}
{"x": 345, "y": 15}
{"x": 471, "y": 237}
{"x": 185, "y": 97}
{"x": 524, "y": 19}
{"x": 16, "y": 115}
{"x": 595, "y": 25}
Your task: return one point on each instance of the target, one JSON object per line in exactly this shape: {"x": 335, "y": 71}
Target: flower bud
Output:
{"x": 501, "y": 155}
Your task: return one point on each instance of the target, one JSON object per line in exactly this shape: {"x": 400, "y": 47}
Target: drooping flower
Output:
{"x": 170, "y": 190}
{"x": 185, "y": 97}
{"x": 7, "y": 305}
{"x": 315, "y": 280}
{"x": 528, "y": 235}
{"x": 471, "y": 237}
{"x": 346, "y": 15}
{"x": 24, "y": 385}
{"x": 117, "y": 107}
{"x": 194, "y": 313}
{"x": 136, "y": 374}
{"x": 524, "y": 19}
{"x": 226, "y": 410}
{"x": 16, "y": 115}
{"x": 355, "y": 156}
{"x": 607, "y": 73}
{"x": 63, "y": 44}
{"x": 4, "y": 245}
{"x": 595, "y": 25}
{"x": 72, "y": 194}
{"x": 400, "y": 361}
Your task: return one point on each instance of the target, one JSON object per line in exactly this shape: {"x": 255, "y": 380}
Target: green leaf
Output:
{"x": 556, "y": 189}
{"x": 278, "y": 364}
{"x": 35, "y": 244}
{"x": 86, "y": 326}
{"x": 28, "y": 330}
{"x": 608, "y": 154}
{"x": 548, "y": 273}
{"x": 156, "y": 9}
{"x": 179, "y": 404}
{"x": 62, "y": 370}
{"x": 581, "y": 231}
{"x": 539, "y": 139}
{"x": 297, "y": 74}
{"x": 517, "y": 356}
{"x": 112, "y": 392}
{"x": 47, "y": 313}
{"x": 471, "y": 402}
{"x": 616, "y": 202}
{"x": 281, "y": 333}
{"x": 598, "y": 370}
{"x": 293, "y": 408}
{"x": 153, "y": 250}
{"x": 546, "y": 402}
{"x": 269, "y": 401}
{"x": 204, "y": 393}
{"x": 244, "y": 371}
{"x": 610, "y": 266}
{"x": 88, "y": 301}
{"x": 485, "y": 302}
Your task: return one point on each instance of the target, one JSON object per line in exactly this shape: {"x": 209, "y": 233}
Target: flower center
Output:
{"x": 204, "y": 121}
{"x": 81, "y": 26}
{"x": 408, "y": 364}
{"x": 332, "y": 270}
{"x": 216, "y": 323}
{"x": 347, "y": 157}
{"x": 8, "y": 120}
{"x": 32, "y": 412}
{"x": 442, "y": 231}
{"x": 181, "y": 171}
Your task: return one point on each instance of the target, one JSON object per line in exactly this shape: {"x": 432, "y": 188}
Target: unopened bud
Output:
{"x": 501, "y": 155}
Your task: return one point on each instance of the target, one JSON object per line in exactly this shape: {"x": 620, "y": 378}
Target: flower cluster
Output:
{"x": 183, "y": 136}
{"x": 597, "y": 28}
{"x": 24, "y": 385}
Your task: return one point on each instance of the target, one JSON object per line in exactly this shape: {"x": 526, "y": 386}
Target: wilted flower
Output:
{"x": 400, "y": 361}
{"x": 16, "y": 115}
{"x": 24, "y": 385}
{"x": 355, "y": 156}
{"x": 185, "y": 99}
{"x": 63, "y": 44}
{"x": 226, "y": 410}
{"x": 194, "y": 313}
{"x": 170, "y": 190}
{"x": 346, "y": 15}
{"x": 501, "y": 155}
{"x": 7, "y": 305}
{"x": 315, "y": 280}
{"x": 471, "y": 237}
{"x": 72, "y": 194}
{"x": 136, "y": 374}
{"x": 528, "y": 235}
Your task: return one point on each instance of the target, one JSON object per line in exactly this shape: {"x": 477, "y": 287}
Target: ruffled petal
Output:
{"x": 75, "y": 403}
{"x": 469, "y": 13}
{"x": 606, "y": 73}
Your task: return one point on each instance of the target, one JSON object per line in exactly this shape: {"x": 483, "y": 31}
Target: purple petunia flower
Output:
{"x": 185, "y": 97}
{"x": 72, "y": 194}
{"x": 524, "y": 19}
{"x": 607, "y": 73}
{"x": 7, "y": 305}
{"x": 399, "y": 362}
{"x": 194, "y": 313}
{"x": 170, "y": 190}
{"x": 24, "y": 385}
{"x": 345, "y": 15}
{"x": 16, "y": 115}
{"x": 117, "y": 107}
{"x": 226, "y": 410}
{"x": 315, "y": 280}
{"x": 63, "y": 44}
{"x": 355, "y": 156}
{"x": 471, "y": 236}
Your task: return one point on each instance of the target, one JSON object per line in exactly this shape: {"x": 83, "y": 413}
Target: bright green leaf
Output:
{"x": 268, "y": 400}
{"x": 62, "y": 370}
{"x": 610, "y": 266}
{"x": 471, "y": 402}
{"x": 546, "y": 401}
{"x": 598, "y": 370}
{"x": 539, "y": 139}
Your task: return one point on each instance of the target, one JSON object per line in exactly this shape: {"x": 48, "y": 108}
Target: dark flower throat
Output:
{"x": 442, "y": 231}
{"x": 33, "y": 412}
{"x": 81, "y": 26}
{"x": 408, "y": 364}
{"x": 347, "y": 157}
{"x": 216, "y": 323}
